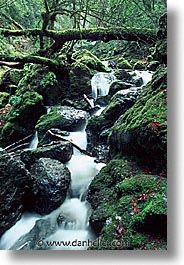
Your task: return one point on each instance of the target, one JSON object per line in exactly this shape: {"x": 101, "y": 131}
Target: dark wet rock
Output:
{"x": 48, "y": 138}
{"x": 102, "y": 101}
{"x": 117, "y": 106}
{"x": 63, "y": 118}
{"x": 129, "y": 77}
{"x": 118, "y": 85}
{"x": 61, "y": 152}
{"x": 51, "y": 182}
{"x": 34, "y": 240}
{"x": 15, "y": 184}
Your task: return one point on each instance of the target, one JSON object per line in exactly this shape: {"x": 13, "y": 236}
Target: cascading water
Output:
{"x": 34, "y": 142}
{"x": 100, "y": 84}
{"x": 74, "y": 213}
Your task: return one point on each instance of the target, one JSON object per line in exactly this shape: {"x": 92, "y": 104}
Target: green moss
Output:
{"x": 122, "y": 63}
{"x": 16, "y": 76}
{"x": 87, "y": 58}
{"x": 135, "y": 133}
{"x": 139, "y": 65}
{"x": 48, "y": 121}
{"x": 153, "y": 217}
{"x": 23, "y": 105}
{"x": 141, "y": 183}
{"x": 4, "y": 97}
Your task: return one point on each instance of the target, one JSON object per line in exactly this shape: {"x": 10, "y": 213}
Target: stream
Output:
{"x": 68, "y": 226}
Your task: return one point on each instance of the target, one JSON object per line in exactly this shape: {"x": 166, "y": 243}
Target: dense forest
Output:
{"x": 83, "y": 124}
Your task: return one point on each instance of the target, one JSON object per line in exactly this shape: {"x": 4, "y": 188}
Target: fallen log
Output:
{"x": 83, "y": 151}
{"x": 14, "y": 146}
{"x": 88, "y": 101}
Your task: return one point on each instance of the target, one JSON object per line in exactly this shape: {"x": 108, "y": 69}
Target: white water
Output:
{"x": 34, "y": 142}
{"x": 75, "y": 209}
{"x": 145, "y": 74}
{"x": 100, "y": 84}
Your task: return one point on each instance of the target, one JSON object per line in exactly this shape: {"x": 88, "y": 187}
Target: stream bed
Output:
{"x": 68, "y": 226}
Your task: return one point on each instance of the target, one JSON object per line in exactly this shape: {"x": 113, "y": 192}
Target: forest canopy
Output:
{"x": 43, "y": 27}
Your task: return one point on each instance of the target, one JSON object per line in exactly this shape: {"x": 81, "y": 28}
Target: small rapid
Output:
{"x": 69, "y": 223}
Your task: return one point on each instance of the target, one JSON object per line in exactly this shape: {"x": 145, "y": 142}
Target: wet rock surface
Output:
{"x": 61, "y": 152}
{"x": 61, "y": 117}
{"x": 51, "y": 182}
{"x": 16, "y": 182}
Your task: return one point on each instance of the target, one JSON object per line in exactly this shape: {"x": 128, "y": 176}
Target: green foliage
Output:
{"x": 4, "y": 97}
{"x": 48, "y": 80}
{"x": 15, "y": 100}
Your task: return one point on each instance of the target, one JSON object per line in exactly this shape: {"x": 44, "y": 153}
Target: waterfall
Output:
{"x": 34, "y": 142}
{"x": 100, "y": 84}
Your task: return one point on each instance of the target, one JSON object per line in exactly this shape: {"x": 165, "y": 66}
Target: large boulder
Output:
{"x": 63, "y": 118}
{"x": 61, "y": 152}
{"x": 51, "y": 182}
{"x": 142, "y": 130}
{"x": 16, "y": 182}
{"x": 44, "y": 82}
{"x": 118, "y": 105}
{"x": 22, "y": 117}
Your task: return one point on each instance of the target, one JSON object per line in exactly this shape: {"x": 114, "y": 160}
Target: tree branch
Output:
{"x": 31, "y": 59}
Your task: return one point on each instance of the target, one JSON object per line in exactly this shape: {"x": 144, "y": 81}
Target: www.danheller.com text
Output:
{"x": 81, "y": 243}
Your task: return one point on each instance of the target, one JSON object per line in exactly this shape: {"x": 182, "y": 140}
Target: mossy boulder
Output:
{"x": 61, "y": 152}
{"x": 15, "y": 185}
{"x": 152, "y": 66}
{"x": 125, "y": 202}
{"x": 139, "y": 65}
{"x": 42, "y": 81}
{"x": 22, "y": 117}
{"x": 80, "y": 80}
{"x": 90, "y": 60}
{"x": 119, "y": 104}
{"x": 84, "y": 66}
{"x": 142, "y": 130}
{"x": 118, "y": 85}
{"x": 4, "y": 98}
{"x": 122, "y": 63}
{"x": 61, "y": 117}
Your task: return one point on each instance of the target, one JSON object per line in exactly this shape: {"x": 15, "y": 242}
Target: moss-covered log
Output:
{"x": 104, "y": 34}
{"x": 30, "y": 59}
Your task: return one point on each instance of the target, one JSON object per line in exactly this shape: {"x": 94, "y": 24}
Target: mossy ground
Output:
{"x": 134, "y": 214}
